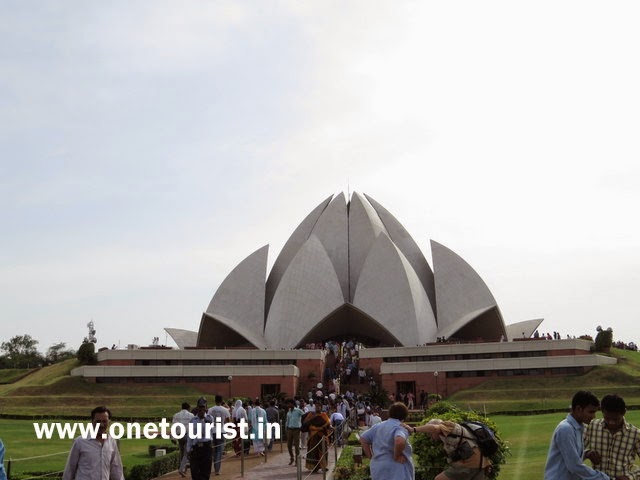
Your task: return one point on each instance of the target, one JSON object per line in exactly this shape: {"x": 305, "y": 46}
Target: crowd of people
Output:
{"x": 342, "y": 364}
{"x": 626, "y": 346}
{"x": 317, "y": 422}
{"x": 547, "y": 336}
{"x": 312, "y": 424}
{"x": 309, "y": 424}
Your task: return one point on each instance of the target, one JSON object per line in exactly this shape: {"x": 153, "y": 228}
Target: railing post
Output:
{"x": 242, "y": 457}
{"x": 325, "y": 454}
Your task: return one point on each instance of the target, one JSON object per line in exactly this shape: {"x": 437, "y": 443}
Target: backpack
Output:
{"x": 484, "y": 437}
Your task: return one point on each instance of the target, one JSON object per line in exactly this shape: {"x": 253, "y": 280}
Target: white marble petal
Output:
{"x": 183, "y": 338}
{"x": 390, "y": 291}
{"x": 409, "y": 248}
{"x": 526, "y": 327}
{"x": 331, "y": 230}
{"x": 240, "y": 297}
{"x": 364, "y": 227}
{"x": 290, "y": 249}
{"x": 461, "y": 295}
{"x": 308, "y": 292}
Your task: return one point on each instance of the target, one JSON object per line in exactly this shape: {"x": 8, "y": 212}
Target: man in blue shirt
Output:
{"x": 565, "y": 458}
{"x": 387, "y": 445}
{"x": 293, "y": 424}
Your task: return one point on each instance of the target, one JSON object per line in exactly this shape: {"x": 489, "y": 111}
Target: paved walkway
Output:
{"x": 275, "y": 466}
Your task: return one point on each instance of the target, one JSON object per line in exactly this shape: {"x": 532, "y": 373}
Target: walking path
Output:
{"x": 275, "y": 466}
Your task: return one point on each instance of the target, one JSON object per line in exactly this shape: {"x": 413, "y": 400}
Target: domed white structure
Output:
{"x": 350, "y": 270}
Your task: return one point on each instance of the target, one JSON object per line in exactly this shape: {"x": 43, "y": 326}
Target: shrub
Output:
{"x": 415, "y": 417}
{"x": 156, "y": 468}
{"x": 430, "y": 457}
{"x": 434, "y": 397}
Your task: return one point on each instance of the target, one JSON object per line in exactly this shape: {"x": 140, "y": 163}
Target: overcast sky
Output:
{"x": 147, "y": 147}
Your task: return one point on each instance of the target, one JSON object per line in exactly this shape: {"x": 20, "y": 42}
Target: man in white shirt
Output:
{"x": 183, "y": 417}
{"x": 220, "y": 415}
{"x": 199, "y": 448}
{"x": 95, "y": 458}
{"x": 375, "y": 418}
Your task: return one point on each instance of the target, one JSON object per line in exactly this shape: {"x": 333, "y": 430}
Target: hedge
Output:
{"x": 159, "y": 466}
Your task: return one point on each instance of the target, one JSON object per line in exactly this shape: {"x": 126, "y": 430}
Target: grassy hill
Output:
{"x": 51, "y": 391}
{"x": 533, "y": 394}
{"x": 11, "y": 375}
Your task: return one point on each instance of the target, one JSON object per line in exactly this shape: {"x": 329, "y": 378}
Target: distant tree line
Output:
{"x": 21, "y": 352}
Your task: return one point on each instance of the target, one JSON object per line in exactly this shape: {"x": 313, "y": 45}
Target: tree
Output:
{"x": 87, "y": 353}
{"x": 378, "y": 396}
{"x": 57, "y": 353}
{"x": 21, "y": 351}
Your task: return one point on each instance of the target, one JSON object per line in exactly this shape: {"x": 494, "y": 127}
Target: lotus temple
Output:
{"x": 350, "y": 289}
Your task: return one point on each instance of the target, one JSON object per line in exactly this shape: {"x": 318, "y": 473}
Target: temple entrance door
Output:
{"x": 268, "y": 390}
{"x": 405, "y": 387}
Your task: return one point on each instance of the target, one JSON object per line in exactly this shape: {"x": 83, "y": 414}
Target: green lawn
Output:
{"x": 21, "y": 442}
{"x": 528, "y": 438}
